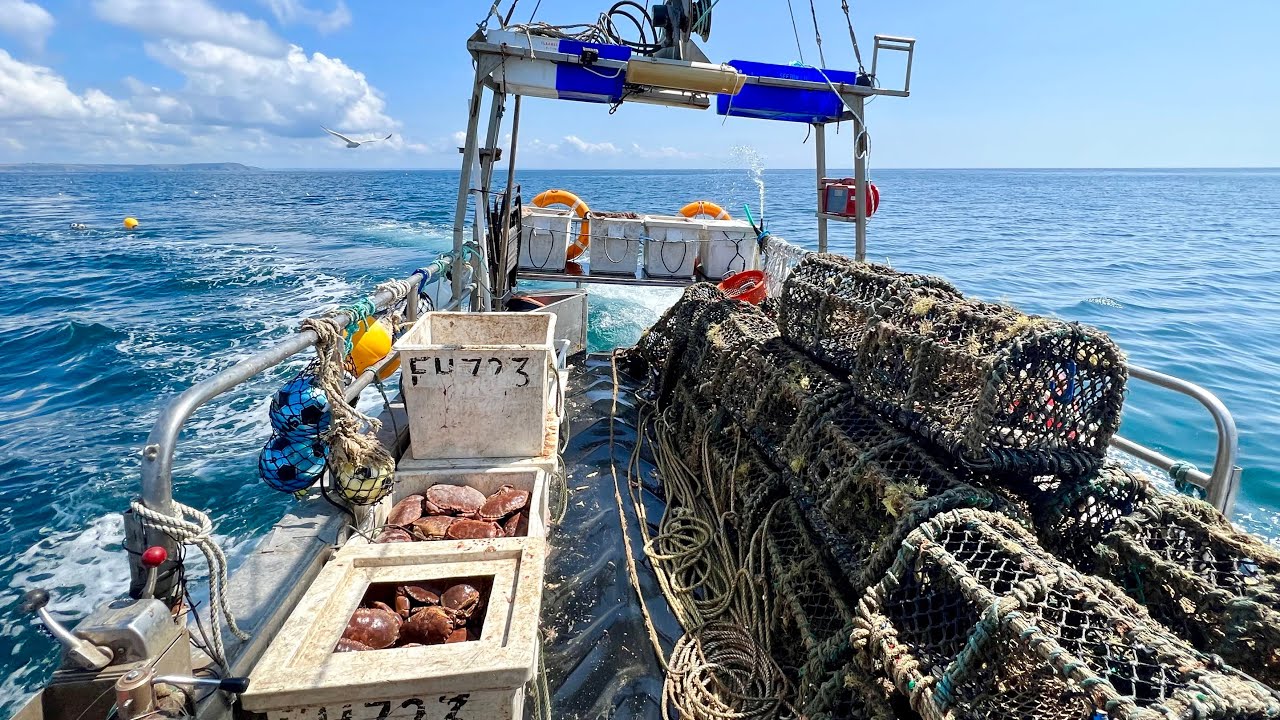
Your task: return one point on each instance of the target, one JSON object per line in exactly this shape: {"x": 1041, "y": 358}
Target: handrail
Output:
{"x": 157, "y": 454}
{"x": 1221, "y": 485}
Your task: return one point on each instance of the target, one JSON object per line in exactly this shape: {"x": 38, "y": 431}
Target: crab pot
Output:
{"x": 671, "y": 249}
{"x": 730, "y": 247}
{"x": 300, "y": 676}
{"x": 998, "y": 390}
{"x": 544, "y": 239}
{"x": 480, "y": 385}
{"x": 487, "y": 481}
{"x": 974, "y": 619}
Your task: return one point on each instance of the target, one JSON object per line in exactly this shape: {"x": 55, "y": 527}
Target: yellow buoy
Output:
{"x": 371, "y": 343}
{"x": 130, "y": 223}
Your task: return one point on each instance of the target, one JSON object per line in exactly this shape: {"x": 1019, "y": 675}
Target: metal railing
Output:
{"x": 1223, "y": 483}
{"x": 158, "y": 453}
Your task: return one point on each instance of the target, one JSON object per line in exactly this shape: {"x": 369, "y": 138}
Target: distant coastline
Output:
{"x": 81, "y": 167}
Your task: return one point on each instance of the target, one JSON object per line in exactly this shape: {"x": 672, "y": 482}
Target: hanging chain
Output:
{"x": 817, "y": 36}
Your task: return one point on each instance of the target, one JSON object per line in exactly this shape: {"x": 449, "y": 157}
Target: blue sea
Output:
{"x": 100, "y": 326}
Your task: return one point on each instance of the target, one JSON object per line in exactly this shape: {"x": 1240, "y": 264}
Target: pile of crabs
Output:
{"x": 457, "y": 512}
{"x": 417, "y": 615}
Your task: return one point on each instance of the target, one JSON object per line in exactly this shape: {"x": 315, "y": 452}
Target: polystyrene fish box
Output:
{"x": 615, "y": 243}
{"x": 479, "y": 385}
{"x": 672, "y": 244}
{"x": 300, "y": 677}
{"x": 544, "y": 239}
{"x": 529, "y": 478}
{"x": 730, "y": 247}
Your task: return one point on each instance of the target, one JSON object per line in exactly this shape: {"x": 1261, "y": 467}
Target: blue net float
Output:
{"x": 291, "y": 465}
{"x": 300, "y": 409}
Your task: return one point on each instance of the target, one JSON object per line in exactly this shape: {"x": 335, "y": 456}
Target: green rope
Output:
{"x": 1180, "y": 473}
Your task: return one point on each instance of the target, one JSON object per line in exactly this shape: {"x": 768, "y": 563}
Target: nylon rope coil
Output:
{"x": 194, "y": 527}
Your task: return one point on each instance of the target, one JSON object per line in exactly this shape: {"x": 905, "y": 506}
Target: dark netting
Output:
{"x": 1209, "y": 582}
{"x": 1072, "y": 516}
{"x": 848, "y": 694}
{"x": 998, "y": 389}
{"x": 975, "y": 620}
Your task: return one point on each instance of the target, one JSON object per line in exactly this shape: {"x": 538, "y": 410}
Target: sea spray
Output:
{"x": 754, "y": 162}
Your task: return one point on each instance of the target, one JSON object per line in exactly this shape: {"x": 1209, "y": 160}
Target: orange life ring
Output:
{"x": 575, "y": 205}
{"x": 705, "y": 207}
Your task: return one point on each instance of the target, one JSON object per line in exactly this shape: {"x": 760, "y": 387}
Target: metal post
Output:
{"x": 482, "y": 233}
{"x": 464, "y": 181}
{"x": 820, "y": 145}
{"x": 859, "y": 179}
{"x": 504, "y": 260}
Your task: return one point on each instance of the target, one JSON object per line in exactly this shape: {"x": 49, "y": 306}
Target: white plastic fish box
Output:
{"x": 530, "y": 478}
{"x": 300, "y": 677}
{"x": 615, "y": 245}
{"x": 544, "y": 239}
{"x": 480, "y": 385}
{"x": 730, "y": 247}
{"x": 671, "y": 245}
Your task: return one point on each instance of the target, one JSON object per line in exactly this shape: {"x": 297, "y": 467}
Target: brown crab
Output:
{"x": 504, "y": 502}
{"x": 410, "y": 598}
{"x": 460, "y": 602}
{"x": 435, "y": 527}
{"x": 464, "y": 529}
{"x": 517, "y": 525}
{"x": 430, "y": 626}
{"x": 460, "y": 500}
{"x": 374, "y": 628}
{"x": 406, "y": 511}
{"x": 391, "y": 534}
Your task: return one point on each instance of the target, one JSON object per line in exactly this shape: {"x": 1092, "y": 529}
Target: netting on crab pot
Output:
{"x": 714, "y": 348}
{"x": 988, "y": 385}
{"x": 974, "y": 620}
{"x": 848, "y": 694}
{"x": 809, "y": 616}
{"x": 1073, "y": 515}
{"x": 650, "y": 356}
{"x": 1209, "y": 582}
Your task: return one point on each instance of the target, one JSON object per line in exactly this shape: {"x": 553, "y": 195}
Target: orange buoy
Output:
{"x": 575, "y": 204}
{"x": 705, "y": 207}
{"x": 747, "y": 286}
{"x": 130, "y": 223}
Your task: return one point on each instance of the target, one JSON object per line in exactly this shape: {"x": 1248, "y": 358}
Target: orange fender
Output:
{"x": 575, "y": 204}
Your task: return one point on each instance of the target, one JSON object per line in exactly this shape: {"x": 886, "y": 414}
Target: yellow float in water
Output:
{"x": 371, "y": 343}
{"x": 130, "y": 223}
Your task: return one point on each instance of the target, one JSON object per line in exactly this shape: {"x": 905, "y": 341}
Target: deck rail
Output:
{"x": 162, "y": 442}
{"x": 1221, "y": 485}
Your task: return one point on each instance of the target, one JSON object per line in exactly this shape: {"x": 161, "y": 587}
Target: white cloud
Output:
{"x": 290, "y": 95}
{"x": 192, "y": 20}
{"x": 25, "y": 21}
{"x": 291, "y": 12}
{"x": 576, "y": 144}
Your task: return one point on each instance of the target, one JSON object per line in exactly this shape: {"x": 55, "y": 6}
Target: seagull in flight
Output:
{"x": 353, "y": 143}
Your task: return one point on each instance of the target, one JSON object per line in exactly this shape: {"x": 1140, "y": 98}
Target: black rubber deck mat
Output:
{"x": 599, "y": 660}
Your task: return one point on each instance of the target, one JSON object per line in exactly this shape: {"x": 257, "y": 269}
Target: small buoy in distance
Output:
{"x": 130, "y": 223}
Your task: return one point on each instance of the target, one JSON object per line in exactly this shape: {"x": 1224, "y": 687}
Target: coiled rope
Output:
{"x": 193, "y": 527}
{"x": 717, "y": 670}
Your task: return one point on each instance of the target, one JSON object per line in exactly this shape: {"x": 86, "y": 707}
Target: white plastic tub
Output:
{"x": 300, "y": 677}
{"x": 479, "y": 385}
{"x": 544, "y": 239}
{"x": 615, "y": 245}
{"x": 730, "y": 247}
{"x": 530, "y": 478}
{"x": 671, "y": 245}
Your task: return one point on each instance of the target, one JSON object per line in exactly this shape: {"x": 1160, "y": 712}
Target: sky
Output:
{"x": 998, "y": 83}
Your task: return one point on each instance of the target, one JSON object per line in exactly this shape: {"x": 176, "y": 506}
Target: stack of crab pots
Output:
{"x": 432, "y": 607}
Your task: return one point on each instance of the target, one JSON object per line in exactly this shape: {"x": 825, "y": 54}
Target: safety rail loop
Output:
{"x": 158, "y": 453}
{"x": 1220, "y": 486}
